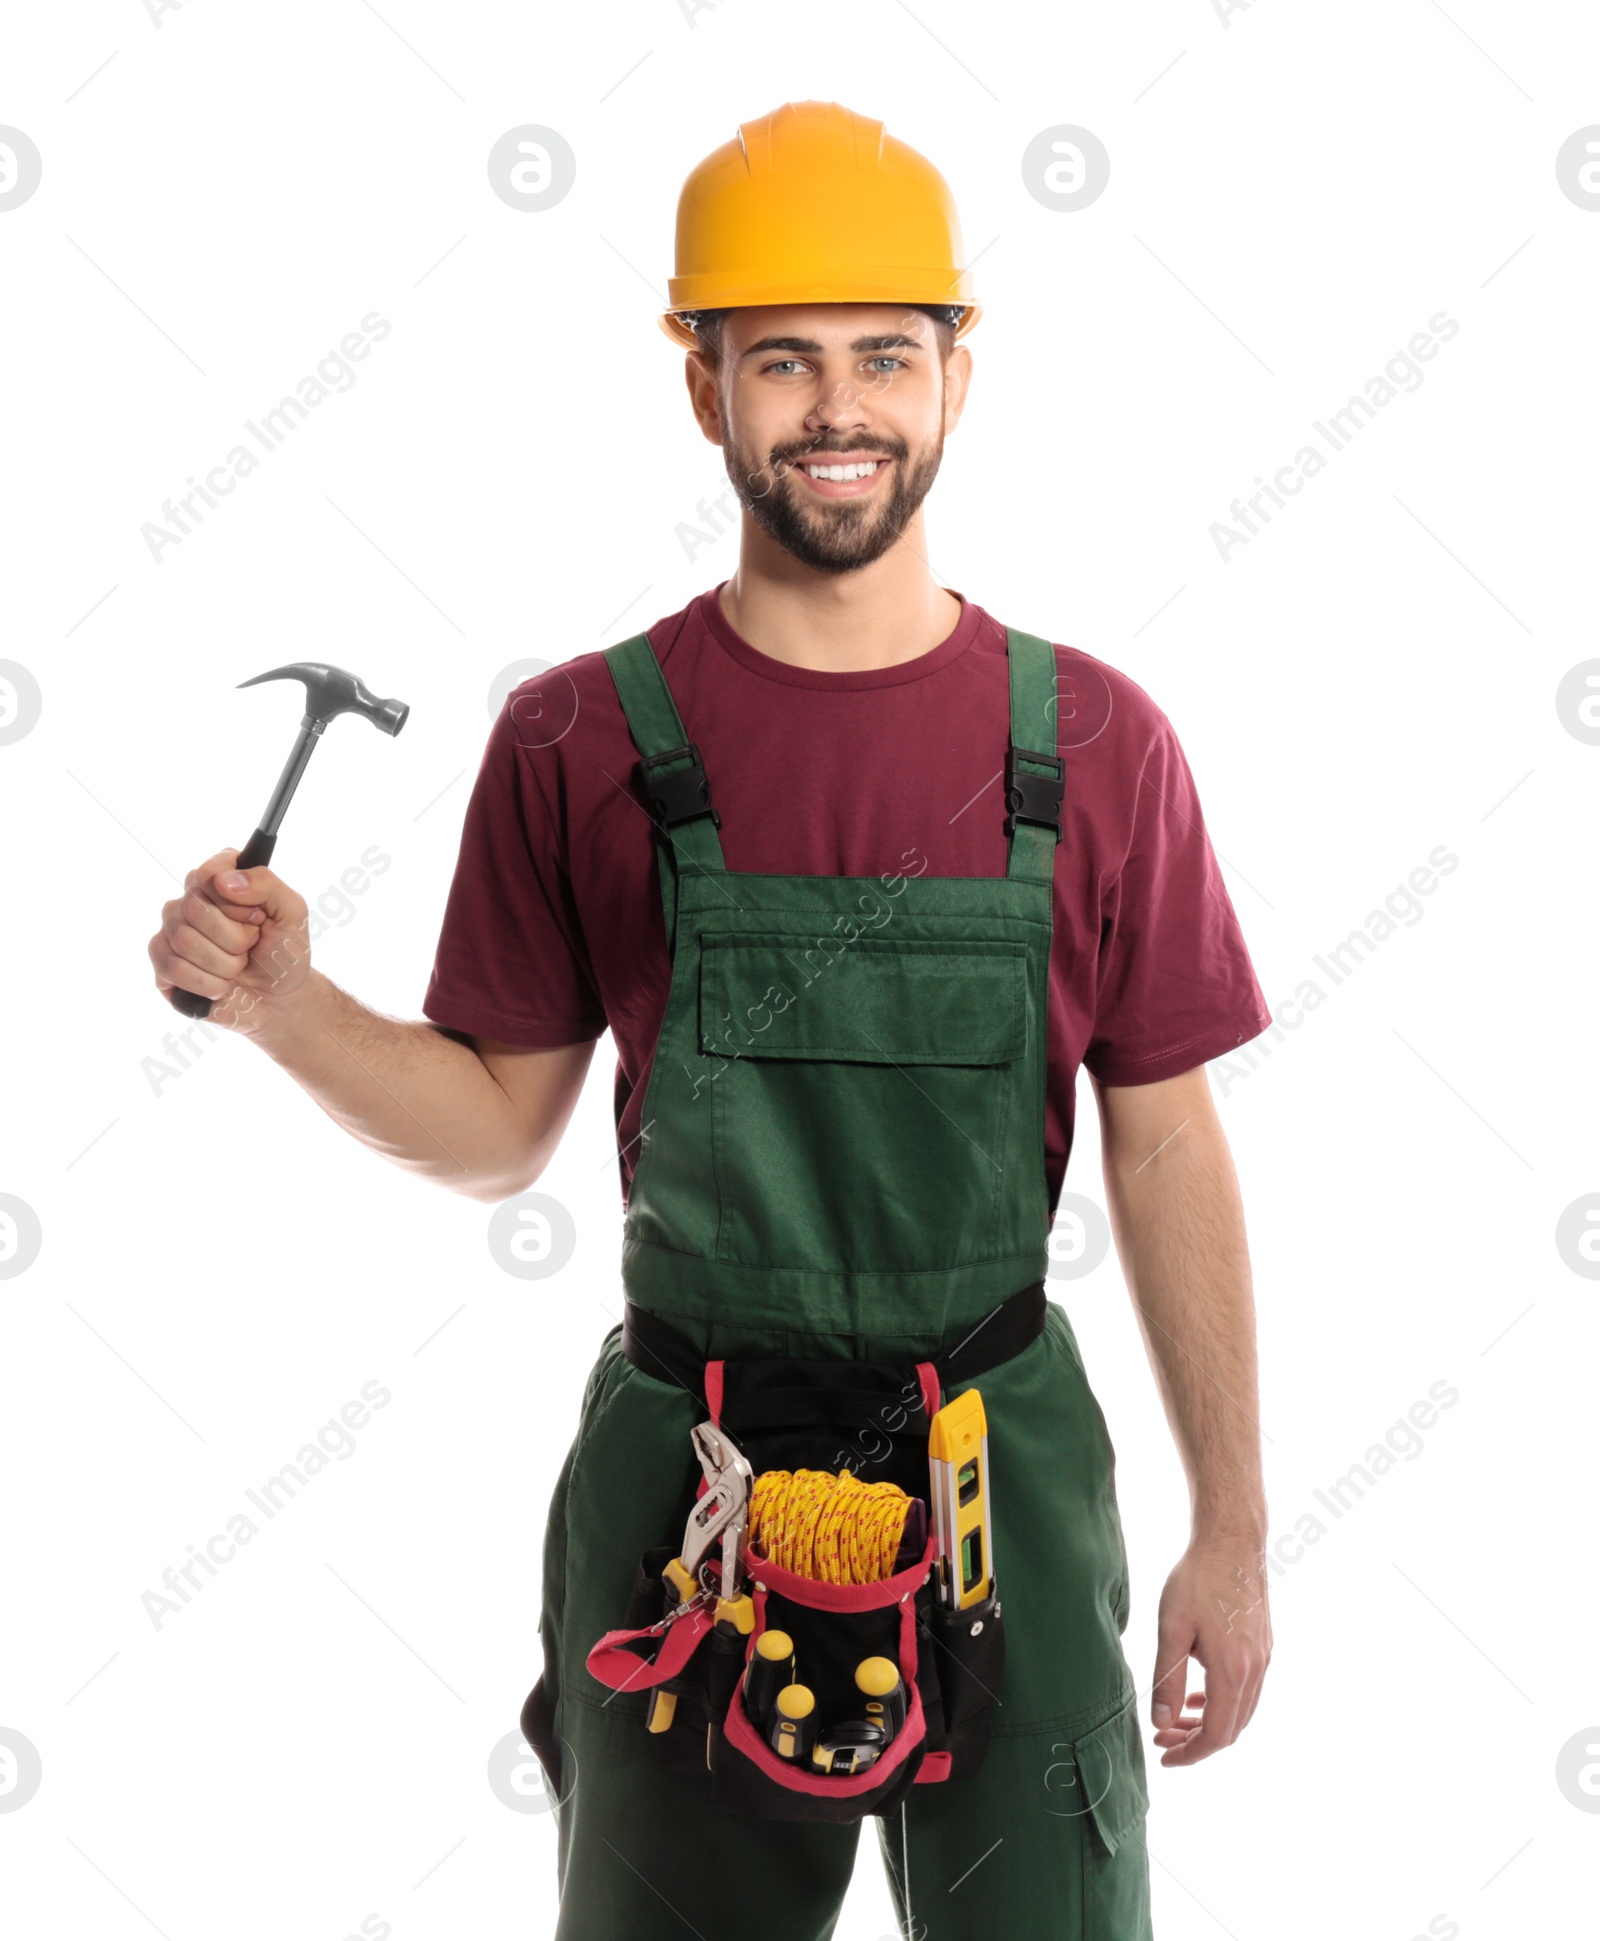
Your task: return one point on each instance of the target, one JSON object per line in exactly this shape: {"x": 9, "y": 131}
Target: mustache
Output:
{"x": 798, "y": 455}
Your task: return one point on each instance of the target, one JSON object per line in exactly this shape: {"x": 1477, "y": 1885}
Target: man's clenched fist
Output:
{"x": 237, "y": 937}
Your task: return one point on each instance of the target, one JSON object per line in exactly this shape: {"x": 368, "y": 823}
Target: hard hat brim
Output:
{"x": 674, "y": 326}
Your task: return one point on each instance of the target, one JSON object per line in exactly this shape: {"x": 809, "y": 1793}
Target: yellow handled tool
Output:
{"x": 958, "y": 1486}
{"x": 878, "y": 1680}
{"x": 792, "y": 1728}
{"x": 771, "y": 1667}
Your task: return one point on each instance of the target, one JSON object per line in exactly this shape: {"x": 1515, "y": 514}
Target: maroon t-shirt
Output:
{"x": 553, "y": 930}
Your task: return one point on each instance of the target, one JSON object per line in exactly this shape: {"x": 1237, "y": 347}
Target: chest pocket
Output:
{"x": 862, "y": 1097}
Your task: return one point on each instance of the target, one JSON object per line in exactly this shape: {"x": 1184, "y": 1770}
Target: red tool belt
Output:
{"x": 831, "y": 1415}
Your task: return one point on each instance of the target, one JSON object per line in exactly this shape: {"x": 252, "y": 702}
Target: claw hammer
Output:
{"x": 330, "y": 691}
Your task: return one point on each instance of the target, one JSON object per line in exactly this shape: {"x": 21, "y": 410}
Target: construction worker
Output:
{"x": 953, "y": 863}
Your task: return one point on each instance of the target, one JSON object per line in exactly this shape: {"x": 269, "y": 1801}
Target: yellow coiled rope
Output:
{"x": 830, "y": 1527}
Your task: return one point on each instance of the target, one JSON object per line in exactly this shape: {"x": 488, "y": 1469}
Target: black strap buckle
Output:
{"x": 1034, "y": 798}
{"x": 678, "y": 794}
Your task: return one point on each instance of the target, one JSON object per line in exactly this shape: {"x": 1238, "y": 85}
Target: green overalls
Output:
{"x": 842, "y": 1158}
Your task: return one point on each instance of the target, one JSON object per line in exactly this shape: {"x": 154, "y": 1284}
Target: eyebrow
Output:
{"x": 893, "y": 340}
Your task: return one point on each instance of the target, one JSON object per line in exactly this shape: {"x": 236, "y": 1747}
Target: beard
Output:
{"x": 831, "y": 535}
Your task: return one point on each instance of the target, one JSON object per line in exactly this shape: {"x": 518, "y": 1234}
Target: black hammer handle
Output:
{"x": 257, "y": 850}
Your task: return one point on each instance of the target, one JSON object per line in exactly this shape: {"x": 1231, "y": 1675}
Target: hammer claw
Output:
{"x": 332, "y": 690}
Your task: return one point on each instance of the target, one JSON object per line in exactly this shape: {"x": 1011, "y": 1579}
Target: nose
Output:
{"x": 839, "y": 407}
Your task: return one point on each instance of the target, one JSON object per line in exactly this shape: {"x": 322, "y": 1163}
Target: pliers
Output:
{"x": 730, "y": 1477}
{"x": 721, "y": 1515}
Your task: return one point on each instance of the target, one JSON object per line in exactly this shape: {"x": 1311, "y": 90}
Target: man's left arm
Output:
{"x": 1179, "y": 1227}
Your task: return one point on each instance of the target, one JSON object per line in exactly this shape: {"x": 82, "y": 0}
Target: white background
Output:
{"x": 1293, "y": 194}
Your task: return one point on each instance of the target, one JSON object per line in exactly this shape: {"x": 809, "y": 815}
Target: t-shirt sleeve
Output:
{"x": 1176, "y": 986}
{"x": 511, "y": 962}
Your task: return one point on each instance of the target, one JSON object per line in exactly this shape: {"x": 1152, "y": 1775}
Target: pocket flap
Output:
{"x": 1110, "y": 1763}
{"x": 878, "y": 1000}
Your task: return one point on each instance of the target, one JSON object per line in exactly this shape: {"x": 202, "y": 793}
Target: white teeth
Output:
{"x": 842, "y": 474}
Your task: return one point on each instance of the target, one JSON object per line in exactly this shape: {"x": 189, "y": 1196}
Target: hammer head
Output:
{"x": 331, "y": 691}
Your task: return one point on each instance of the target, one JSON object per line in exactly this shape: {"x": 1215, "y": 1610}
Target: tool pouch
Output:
{"x": 951, "y": 1662}
{"x": 834, "y": 1626}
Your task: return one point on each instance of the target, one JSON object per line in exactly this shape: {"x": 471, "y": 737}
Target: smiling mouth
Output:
{"x": 840, "y": 478}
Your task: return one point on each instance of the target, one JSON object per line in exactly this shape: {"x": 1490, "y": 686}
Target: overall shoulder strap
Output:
{"x": 653, "y": 718}
{"x": 674, "y": 777}
{"x": 1035, "y": 773}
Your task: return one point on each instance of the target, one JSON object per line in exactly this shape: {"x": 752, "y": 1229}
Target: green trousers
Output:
{"x": 1046, "y": 1840}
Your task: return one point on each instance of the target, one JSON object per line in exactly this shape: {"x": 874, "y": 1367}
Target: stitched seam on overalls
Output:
{"x": 791, "y": 876}
{"x": 603, "y": 1406}
{"x": 996, "y": 947}
{"x": 646, "y": 1120}
{"x": 965, "y": 916}
{"x": 580, "y": 1444}
{"x": 991, "y": 1238}
{"x": 851, "y": 1054}
{"x": 718, "y": 1130}
{"x": 1076, "y": 1725}
{"x": 1085, "y": 1842}
{"x": 586, "y": 1435}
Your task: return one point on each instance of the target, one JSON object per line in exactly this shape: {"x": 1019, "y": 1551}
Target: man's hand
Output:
{"x": 238, "y": 938}
{"x": 1213, "y": 1609}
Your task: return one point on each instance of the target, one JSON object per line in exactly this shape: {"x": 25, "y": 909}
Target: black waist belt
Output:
{"x": 762, "y": 1391}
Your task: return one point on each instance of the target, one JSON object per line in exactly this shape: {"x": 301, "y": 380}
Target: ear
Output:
{"x": 704, "y": 394}
{"x": 957, "y": 381}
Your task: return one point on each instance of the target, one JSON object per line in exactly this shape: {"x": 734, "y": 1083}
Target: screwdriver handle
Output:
{"x": 880, "y": 1683}
{"x": 771, "y": 1667}
{"x": 792, "y": 1723}
{"x": 257, "y": 850}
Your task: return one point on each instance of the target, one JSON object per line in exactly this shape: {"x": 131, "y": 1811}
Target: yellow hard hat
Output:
{"x": 816, "y": 204}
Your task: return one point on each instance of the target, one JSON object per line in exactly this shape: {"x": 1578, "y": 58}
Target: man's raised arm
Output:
{"x": 478, "y": 1116}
